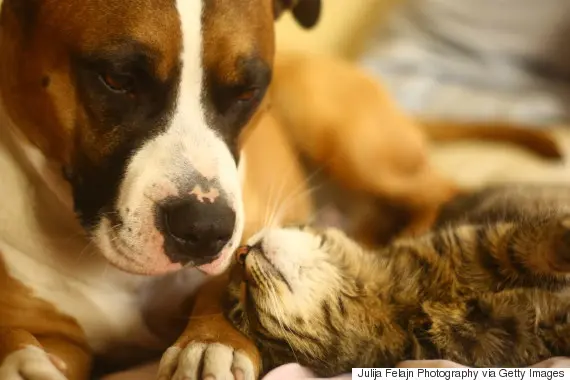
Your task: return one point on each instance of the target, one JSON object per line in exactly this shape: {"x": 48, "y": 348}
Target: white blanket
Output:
{"x": 477, "y": 59}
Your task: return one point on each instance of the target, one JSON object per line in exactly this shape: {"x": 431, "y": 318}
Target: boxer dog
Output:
{"x": 119, "y": 125}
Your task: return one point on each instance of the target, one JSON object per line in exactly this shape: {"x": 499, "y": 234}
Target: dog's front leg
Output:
{"x": 210, "y": 345}
{"x": 25, "y": 357}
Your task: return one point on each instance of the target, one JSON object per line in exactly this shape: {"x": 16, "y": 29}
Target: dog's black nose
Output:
{"x": 195, "y": 230}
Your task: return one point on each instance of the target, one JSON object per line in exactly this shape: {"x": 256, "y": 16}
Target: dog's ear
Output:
{"x": 305, "y": 12}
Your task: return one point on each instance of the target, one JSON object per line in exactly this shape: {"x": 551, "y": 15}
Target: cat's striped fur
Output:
{"x": 490, "y": 286}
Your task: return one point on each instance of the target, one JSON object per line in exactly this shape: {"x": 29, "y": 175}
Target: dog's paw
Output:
{"x": 205, "y": 361}
{"x": 31, "y": 363}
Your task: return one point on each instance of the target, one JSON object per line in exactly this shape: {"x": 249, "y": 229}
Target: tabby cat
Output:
{"x": 489, "y": 286}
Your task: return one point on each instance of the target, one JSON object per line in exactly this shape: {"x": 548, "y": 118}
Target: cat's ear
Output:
{"x": 305, "y": 12}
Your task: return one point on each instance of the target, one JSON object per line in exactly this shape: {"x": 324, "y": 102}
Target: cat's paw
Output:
{"x": 205, "y": 361}
{"x": 31, "y": 363}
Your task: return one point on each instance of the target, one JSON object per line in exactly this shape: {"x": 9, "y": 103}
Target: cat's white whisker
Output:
{"x": 288, "y": 201}
{"x": 272, "y": 205}
{"x": 279, "y": 316}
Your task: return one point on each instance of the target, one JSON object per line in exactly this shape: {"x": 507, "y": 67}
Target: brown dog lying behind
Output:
{"x": 346, "y": 123}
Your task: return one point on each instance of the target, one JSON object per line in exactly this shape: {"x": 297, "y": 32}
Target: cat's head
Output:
{"x": 299, "y": 293}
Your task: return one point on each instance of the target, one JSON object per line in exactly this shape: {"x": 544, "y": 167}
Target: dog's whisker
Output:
{"x": 69, "y": 238}
{"x": 85, "y": 250}
{"x": 116, "y": 227}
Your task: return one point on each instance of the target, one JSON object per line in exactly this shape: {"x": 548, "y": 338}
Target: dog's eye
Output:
{"x": 118, "y": 83}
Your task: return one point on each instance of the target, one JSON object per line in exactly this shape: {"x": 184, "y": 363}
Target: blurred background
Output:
{"x": 459, "y": 59}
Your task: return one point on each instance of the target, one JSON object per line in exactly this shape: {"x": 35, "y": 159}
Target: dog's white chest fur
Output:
{"x": 108, "y": 311}
{"x": 109, "y": 305}
{"x": 42, "y": 247}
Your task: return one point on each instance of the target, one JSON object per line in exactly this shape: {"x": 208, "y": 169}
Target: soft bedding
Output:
{"x": 477, "y": 59}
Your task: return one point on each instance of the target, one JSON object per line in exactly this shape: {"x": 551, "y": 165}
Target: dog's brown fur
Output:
{"x": 487, "y": 289}
{"x": 347, "y": 125}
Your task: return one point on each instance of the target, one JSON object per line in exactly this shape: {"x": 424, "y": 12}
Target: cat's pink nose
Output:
{"x": 241, "y": 253}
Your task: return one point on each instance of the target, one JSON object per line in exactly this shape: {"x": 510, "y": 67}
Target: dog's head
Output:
{"x": 141, "y": 103}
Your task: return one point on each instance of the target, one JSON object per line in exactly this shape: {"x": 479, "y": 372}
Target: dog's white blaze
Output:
{"x": 204, "y": 148}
